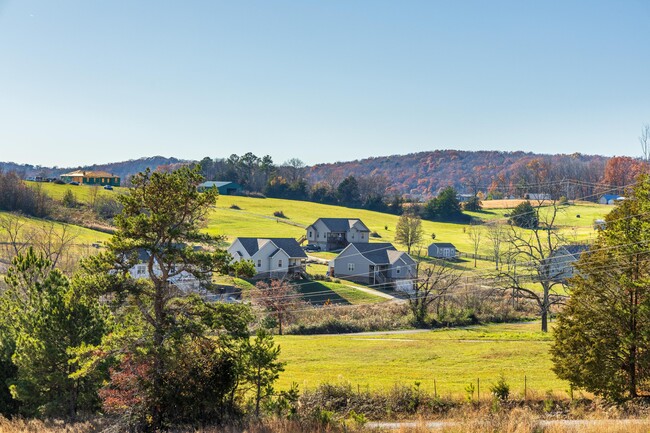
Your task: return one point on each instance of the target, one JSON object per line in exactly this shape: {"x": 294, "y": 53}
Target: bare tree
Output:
{"x": 532, "y": 251}
{"x": 279, "y": 298}
{"x": 475, "y": 233}
{"x": 496, "y": 233}
{"x": 55, "y": 242}
{"x": 295, "y": 168}
{"x": 408, "y": 231}
{"x": 434, "y": 281}
{"x": 644, "y": 139}
{"x": 92, "y": 196}
{"x": 14, "y": 235}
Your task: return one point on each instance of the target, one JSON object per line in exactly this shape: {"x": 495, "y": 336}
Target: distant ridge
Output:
{"x": 425, "y": 173}
{"x": 124, "y": 169}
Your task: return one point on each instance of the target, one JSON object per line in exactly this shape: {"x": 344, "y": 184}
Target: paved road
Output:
{"x": 573, "y": 423}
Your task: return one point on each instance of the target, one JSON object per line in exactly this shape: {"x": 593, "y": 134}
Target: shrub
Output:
{"x": 279, "y": 214}
{"x": 107, "y": 207}
{"x": 69, "y": 199}
{"x": 524, "y": 215}
{"x": 501, "y": 389}
{"x": 234, "y": 206}
{"x": 375, "y": 235}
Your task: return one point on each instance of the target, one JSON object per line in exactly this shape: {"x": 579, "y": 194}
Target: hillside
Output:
{"x": 124, "y": 169}
{"x": 424, "y": 173}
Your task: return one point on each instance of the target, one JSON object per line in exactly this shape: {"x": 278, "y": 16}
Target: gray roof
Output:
{"x": 288, "y": 245}
{"x": 575, "y": 250}
{"x": 340, "y": 224}
{"x": 376, "y": 253}
{"x": 443, "y": 245}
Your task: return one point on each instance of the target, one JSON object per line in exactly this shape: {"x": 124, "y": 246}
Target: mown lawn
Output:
{"x": 83, "y": 193}
{"x": 454, "y": 358}
{"x": 321, "y": 292}
{"x": 255, "y": 218}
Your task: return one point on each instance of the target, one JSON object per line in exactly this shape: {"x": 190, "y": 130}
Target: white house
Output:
{"x": 272, "y": 257}
{"x": 562, "y": 260}
{"x": 336, "y": 233}
{"x": 183, "y": 280}
{"x": 442, "y": 250}
{"x": 376, "y": 264}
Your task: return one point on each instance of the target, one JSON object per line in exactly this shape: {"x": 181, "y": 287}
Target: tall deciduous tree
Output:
{"x": 602, "y": 337}
{"x": 531, "y": 253}
{"x": 409, "y": 231}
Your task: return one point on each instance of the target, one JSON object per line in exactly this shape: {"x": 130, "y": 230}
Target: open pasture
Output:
{"x": 453, "y": 357}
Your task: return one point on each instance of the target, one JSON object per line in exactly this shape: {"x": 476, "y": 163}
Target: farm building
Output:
{"x": 224, "y": 187}
{"x": 332, "y": 234}
{"x": 610, "y": 199}
{"x": 442, "y": 250}
{"x": 100, "y": 178}
{"x": 376, "y": 264}
{"x": 272, "y": 257}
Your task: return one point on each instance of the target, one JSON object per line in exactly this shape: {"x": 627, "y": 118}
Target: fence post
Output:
{"x": 525, "y": 387}
{"x": 435, "y": 389}
{"x": 478, "y": 390}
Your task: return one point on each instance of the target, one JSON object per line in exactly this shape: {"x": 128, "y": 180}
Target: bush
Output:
{"x": 69, "y": 199}
{"x": 279, "y": 214}
{"x": 501, "y": 389}
{"x": 524, "y": 215}
{"x": 107, "y": 207}
{"x": 375, "y": 235}
{"x": 234, "y": 206}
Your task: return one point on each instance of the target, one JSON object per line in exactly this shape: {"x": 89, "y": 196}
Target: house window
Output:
{"x": 397, "y": 271}
{"x": 311, "y": 235}
{"x": 362, "y": 236}
{"x": 280, "y": 263}
{"x": 352, "y": 235}
{"x": 350, "y": 266}
{"x": 259, "y": 263}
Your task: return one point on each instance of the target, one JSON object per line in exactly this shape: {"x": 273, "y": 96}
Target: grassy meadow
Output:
{"x": 453, "y": 357}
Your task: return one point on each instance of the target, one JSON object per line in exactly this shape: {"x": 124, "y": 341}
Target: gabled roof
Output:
{"x": 575, "y": 250}
{"x": 379, "y": 253}
{"x": 288, "y": 245}
{"x": 341, "y": 224}
{"x": 443, "y": 245}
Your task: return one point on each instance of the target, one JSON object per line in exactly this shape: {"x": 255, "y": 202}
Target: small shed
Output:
{"x": 442, "y": 250}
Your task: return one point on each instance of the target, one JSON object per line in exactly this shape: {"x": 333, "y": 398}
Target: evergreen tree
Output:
{"x": 602, "y": 337}
{"x": 46, "y": 318}
{"x": 348, "y": 192}
{"x": 524, "y": 215}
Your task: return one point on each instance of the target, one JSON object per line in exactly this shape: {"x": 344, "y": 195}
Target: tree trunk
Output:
{"x": 544, "y": 320}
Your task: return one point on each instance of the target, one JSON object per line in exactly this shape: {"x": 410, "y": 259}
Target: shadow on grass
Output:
{"x": 317, "y": 293}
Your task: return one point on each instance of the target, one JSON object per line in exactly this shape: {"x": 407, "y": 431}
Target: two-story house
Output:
{"x": 272, "y": 257}
{"x": 332, "y": 234}
{"x": 375, "y": 264}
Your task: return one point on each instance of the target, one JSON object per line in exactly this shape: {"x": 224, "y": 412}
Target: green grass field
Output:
{"x": 83, "y": 193}
{"x": 453, "y": 357}
{"x": 83, "y": 236}
{"x": 255, "y": 219}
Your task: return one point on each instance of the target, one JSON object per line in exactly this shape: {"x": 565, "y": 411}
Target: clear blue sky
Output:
{"x": 100, "y": 81}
